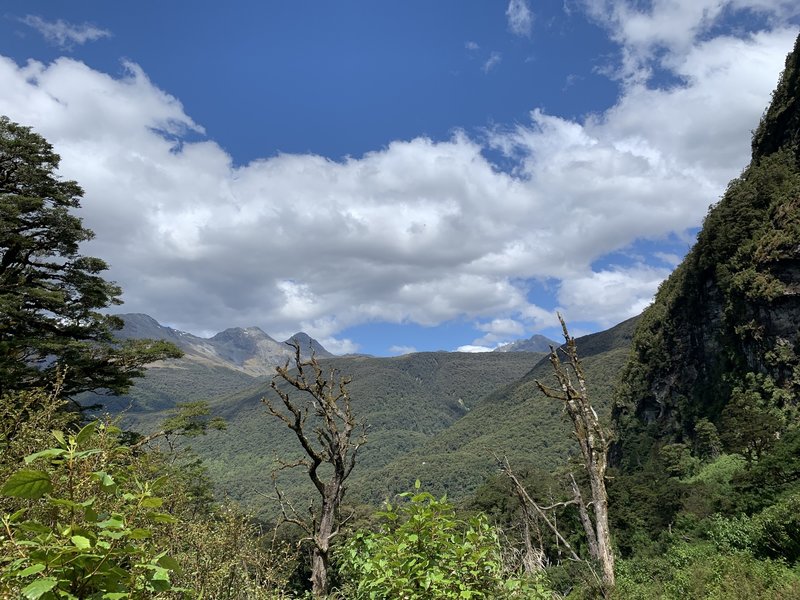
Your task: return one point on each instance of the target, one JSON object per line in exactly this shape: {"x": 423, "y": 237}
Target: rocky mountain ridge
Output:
{"x": 535, "y": 343}
{"x": 249, "y": 350}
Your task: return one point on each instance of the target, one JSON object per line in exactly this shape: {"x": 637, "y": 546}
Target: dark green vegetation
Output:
{"x": 405, "y": 401}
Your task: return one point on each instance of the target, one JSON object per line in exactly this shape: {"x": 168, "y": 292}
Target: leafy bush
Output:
{"x": 87, "y": 523}
{"x": 423, "y": 551}
{"x": 82, "y": 515}
{"x": 702, "y": 572}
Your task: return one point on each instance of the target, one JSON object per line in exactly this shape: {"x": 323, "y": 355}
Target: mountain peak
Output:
{"x": 240, "y": 333}
{"x": 535, "y": 343}
{"x": 309, "y": 345}
{"x": 247, "y": 349}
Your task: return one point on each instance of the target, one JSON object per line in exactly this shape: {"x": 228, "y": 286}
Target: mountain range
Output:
{"x": 248, "y": 350}
{"x": 437, "y": 416}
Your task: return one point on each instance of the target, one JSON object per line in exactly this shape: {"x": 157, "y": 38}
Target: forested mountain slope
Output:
{"x": 404, "y": 401}
{"x": 705, "y": 500}
{"x": 515, "y": 420}
{"x": 722, "y": 338}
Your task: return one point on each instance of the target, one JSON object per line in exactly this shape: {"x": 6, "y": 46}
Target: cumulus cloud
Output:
{"x": 623, "y": 293}
{"x": 520, "y": 17}
{"x": 499, "y": 331}
{"x": 64, "y": 34}
{"x": 673, "y": 26}
{"x": 473, "y": 349}
{"x": 472, "y": 45}
{"x": 420, "y": 231}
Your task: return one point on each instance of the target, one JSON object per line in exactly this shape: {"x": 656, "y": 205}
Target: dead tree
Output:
{"x": 541, "y": 511}
{"x": 328, "y": 439}
{"x": 594, "y": 442}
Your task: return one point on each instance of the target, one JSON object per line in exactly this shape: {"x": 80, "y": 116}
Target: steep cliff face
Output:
{"x": 726, "y": 324}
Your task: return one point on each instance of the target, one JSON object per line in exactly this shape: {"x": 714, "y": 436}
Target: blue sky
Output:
{"x": 394, "y": 176}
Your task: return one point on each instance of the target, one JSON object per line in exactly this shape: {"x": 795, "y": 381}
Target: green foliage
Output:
{"x": 750, "y": 422}
{"x": 771, "y": 533}
{"x": 84, "y": 514}
{"x": 780, "y": 125}
{"x": 767, "y": 480}
{"x": 50, "y": 295}
{"x": 707, "y": 442}
{"x": 703, "y": 572}
{"x": 89, "y": 532}
{"x": 225, "y": 555}
{"x": 192, "y": 419}
{"x": 423, "y": 551}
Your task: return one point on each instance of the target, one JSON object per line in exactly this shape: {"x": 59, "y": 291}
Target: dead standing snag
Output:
{"x": 594, "y": 442}
{"x": 326, "y": 440}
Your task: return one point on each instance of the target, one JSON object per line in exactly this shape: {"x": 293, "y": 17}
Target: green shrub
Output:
{"x": 84, "y": 516}
{"x": 424, "y": 552}
{"x": 703, "y": 572}
{"x": 86, "y": 523}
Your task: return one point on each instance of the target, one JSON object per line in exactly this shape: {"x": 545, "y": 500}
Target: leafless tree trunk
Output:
{"x": 586, "y": 521}
{"x": 541, "y": 511}
{"x": 594, "y": 442}
{"x": 333, "y": 431}
{"x": 533, "y": 558}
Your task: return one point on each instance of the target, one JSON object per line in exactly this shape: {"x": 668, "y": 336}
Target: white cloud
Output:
{"x": 64, "y": 34}
{"x": 673, "y": 25}
{"x": 520, "y": 17}
{"x": 502, "y": 327}
{"x": 623, "y": 293}
{"x": 668, "y": 258}
{"x": 499, "y": 331}
{"x": 339, "y": 345}
{"x": 399, "y": 350}
{"x": 472, "y": 45}
{"x": 419, "y": 231}
{"x": 491, "y": 62}
{"x": 473, "y": 349}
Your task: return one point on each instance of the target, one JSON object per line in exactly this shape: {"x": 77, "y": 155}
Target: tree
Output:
{"x": 333, "y": 427}
{"x": 594, "y": 443}
{"x": 186, "y": 419}
{"x": 749, "y": 425}
{"x": 50, "y": 294}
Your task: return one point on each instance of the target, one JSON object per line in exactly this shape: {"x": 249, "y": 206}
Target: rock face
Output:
{"x": 249, "y": 350}
{"x": 728, "y": 319}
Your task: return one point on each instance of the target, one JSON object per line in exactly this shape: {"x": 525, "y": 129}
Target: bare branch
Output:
{"x": 593, "y": 441}
{"x": 333, "y": 425}
{"x": 505, "y": 467}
